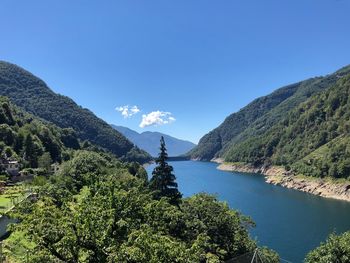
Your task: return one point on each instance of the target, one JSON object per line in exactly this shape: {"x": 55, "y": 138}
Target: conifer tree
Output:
{"x": 30, "y": 151}
{"x": 163, "y": 180}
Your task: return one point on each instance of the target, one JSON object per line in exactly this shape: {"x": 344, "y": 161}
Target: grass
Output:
{"x": 17, "y": 246}
{"x": 11, "y": 196}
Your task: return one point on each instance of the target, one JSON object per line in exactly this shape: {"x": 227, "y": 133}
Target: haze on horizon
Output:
{"x": 182, "y": 66}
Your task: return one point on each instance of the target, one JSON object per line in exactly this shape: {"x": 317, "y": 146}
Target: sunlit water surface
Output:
{"x": 288, "y": 221}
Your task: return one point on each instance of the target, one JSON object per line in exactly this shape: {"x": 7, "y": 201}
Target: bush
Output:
{"x": 335, "y": 249}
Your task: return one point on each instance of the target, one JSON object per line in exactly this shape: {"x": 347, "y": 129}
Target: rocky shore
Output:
{"x": 279, "y": 176}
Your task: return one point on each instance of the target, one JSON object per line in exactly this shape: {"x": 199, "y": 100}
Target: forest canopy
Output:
{"x": 94, "y": 210}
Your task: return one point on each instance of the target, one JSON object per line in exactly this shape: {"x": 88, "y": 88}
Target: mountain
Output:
{"x": 259, "y": 115}
{"x": 32, "y": 141}
{"x": 34, "y": 96}
{"x": 308, "y": 132}
{"x": 128, "y": 133}
{"x": 313, "y": 139}
{"x": 149, "y": 141}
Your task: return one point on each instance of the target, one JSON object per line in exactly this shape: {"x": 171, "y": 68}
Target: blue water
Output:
{"x": 288, "y": 221}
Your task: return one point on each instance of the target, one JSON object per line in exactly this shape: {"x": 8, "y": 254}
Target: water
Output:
{"x": 288, "y": 221}
{"x": 4, "y": 222}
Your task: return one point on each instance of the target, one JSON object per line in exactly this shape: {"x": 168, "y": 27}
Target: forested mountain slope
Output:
{"x": 30, "y": 140}
{"x": 34, "y": 96}
{"x": 259, "y": 115}
{"x": 313, "y": 139}
{"x": 149, "y": 141}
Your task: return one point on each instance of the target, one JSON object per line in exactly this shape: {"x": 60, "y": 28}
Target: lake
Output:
{"x": 288, "y": 221}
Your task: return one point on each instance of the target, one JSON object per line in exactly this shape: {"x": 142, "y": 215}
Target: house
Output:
{"x": 55, "y": 167}
{"x": 10, "y": 166}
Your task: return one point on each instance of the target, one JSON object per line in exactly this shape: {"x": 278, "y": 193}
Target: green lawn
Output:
{"x": 11, "y": 196}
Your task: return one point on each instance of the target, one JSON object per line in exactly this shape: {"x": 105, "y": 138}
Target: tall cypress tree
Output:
{"x": 163, "y": 180}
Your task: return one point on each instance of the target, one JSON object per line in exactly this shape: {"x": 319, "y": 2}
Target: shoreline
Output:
{"x": 277, "y": 175}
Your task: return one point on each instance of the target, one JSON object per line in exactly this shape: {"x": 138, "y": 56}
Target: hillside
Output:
{"x": 149, "y": 141}
{"x": 31, "y": 141}
{"x": 34, "y": 96}
{"x": 313, "y": 139}
{"x": 259, "y": 115}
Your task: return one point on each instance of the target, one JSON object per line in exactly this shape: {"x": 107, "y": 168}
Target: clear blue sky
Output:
{"x": 199, "y": 60}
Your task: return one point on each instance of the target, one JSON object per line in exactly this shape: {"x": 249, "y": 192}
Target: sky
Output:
{"x": 178, "y": 67}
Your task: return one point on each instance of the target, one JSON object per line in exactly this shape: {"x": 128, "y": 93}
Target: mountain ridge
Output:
{"x": 258, "y": 115}
{"x": 149, "y": 141}
{"x": 313, "y": 139}
{"x": 34, "y": 96}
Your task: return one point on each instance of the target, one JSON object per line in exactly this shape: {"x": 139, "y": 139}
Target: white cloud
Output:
{"x": 128, "y": 111}
{"x": 156, "y": 118}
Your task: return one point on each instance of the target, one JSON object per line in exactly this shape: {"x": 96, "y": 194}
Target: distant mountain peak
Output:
{"x": 149, "y": 141}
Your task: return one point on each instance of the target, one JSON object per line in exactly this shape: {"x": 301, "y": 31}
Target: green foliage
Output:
{"x": 163, "y": 180}
{"x": 268, "y": 255}
{"x": 33, "y": 95}
{"x": 45, "y": 161}
{"x": 226, "y": 229}
{"x": 313, "y": 139}
{"x": 331, "y": 159}
{"x": 136, "y": 155}
{"x": 137, "y": 170}
{"x": 18, "y": 245}
{"x": 70, "y": 139}
{"x": 146, "y": 246}
{"x": 113, "y": 217}
{"x": 33, "y": 142}
{"x": 38, "y": 181}
{"x": 85, "y": 168}
{"x": 336, "y": 249}
{"x": 245, "y": 126}
{"x": 3, "y": 177}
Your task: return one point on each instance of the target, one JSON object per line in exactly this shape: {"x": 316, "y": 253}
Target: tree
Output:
{"x": 335, "y": 249}
{"x": 18, "y": 144}
{"x": 30, "y": 151}
{"x": 50, "y": 143}
{"x": 70, "y": 139}
{"x": 45, "y": 161}
{"x": 8, "y": 152}
{"x": 163, "y": 180}
{"x": 6, "y": 134}
{"x": 137, "y": 170}
{"x": 85, "y": 168}
{"x": 116, "y": 219}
